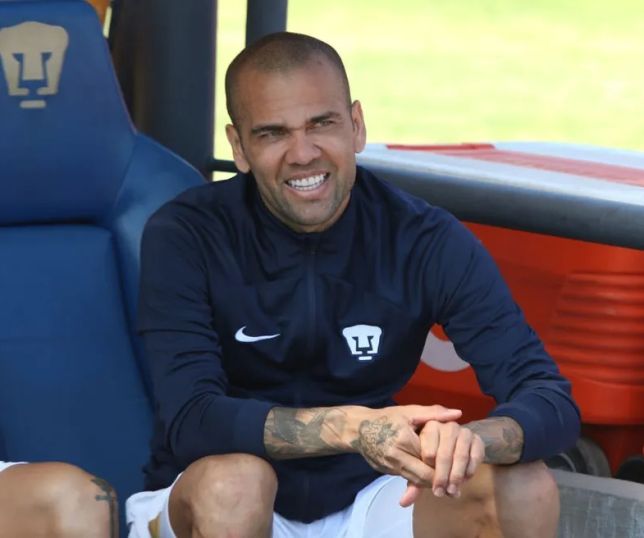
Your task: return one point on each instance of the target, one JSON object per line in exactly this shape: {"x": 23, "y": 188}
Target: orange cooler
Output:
{"x": 586, "y": 301}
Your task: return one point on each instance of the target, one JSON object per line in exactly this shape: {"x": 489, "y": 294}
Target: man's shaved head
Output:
{"x": 279, "y": 52}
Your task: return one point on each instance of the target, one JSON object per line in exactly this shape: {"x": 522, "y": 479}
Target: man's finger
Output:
{"x": 423, "y": 414}
{"x": 460, "y": 462}
{"x": 410, "y": 496}
{"x": 444, "y": 456}
{"x": 477, "y": 454}
{"x": 429, "y": 439}
{"x": 415, "y": 471}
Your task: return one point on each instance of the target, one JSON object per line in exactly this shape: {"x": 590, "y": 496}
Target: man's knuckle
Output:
{"x": 390, "y": 461}
{"x": 429, "y": 430}
{"x": 460, "y": 457}
{"x": 440, "y": 481}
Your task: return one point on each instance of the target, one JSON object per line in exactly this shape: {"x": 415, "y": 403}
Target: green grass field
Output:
{"x": 476, "y": 70}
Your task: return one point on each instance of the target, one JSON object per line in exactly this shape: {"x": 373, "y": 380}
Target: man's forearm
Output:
{"x": 322, "y": 431}
{"x": 317, "y": 431}
{"x": 502, "y": 436}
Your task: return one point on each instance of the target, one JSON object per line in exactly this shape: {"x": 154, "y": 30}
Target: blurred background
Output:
{"x": 430, "y": 71}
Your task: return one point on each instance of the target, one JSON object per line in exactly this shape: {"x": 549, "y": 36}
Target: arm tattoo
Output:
{"x": 110, "y": 498}
{"x": 375, "y": 436}
{"x": 300, "y": 433}
{"x": 503, "y": 439}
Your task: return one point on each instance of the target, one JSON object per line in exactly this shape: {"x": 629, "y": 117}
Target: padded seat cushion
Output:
{"x": 65, "y": 351}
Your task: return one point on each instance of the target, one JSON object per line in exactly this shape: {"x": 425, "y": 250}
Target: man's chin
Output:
{"x": 312, "y": 224}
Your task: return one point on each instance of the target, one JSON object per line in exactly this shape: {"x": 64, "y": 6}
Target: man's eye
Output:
{"x": 323, "y": 123}
{"x": 270, "y": 135}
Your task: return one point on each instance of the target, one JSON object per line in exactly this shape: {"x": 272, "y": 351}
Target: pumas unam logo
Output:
{"x": 363, "y": 340}
{"x": 32, "y": 56}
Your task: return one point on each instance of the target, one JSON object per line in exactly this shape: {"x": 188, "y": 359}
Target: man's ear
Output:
{"x": 359, "y": 127}
{"x": 238, "y": 151}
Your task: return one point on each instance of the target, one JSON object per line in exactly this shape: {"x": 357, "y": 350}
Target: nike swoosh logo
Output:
{"x": 241, "y": 336}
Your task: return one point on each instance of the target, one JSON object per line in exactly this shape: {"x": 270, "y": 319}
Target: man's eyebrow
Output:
{"x": 268, "y": 128}
{"x": 326, "y": 116}
{"x": 278, "y": 127}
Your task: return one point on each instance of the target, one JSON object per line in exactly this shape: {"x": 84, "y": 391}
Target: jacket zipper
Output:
{"x": 311, "y": 332}
{"x": 312, "y": 304}
{"x": 311, "y": 317}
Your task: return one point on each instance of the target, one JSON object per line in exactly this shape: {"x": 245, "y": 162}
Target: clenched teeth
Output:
{"x": 307, "y": 183}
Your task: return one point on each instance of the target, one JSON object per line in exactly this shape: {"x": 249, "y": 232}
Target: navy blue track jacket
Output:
{"x": 239, "y": 314}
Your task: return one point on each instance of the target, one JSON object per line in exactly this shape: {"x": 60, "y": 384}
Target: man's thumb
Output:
{"x": 436, "y": 412}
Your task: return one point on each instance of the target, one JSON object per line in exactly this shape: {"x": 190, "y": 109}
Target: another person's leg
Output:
{"x": 55, "y": 500}
{"x": 515, "y": 501}
{"x": 217, "y": 496}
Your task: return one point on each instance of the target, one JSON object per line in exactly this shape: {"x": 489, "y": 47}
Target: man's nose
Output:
{"x": 302, "y": 149}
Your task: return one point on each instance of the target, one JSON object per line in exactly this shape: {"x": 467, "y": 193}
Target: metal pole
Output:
{"x": 265, "y": 17}
{"x": 164, "y": 52}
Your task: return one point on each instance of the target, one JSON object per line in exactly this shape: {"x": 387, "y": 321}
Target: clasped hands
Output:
{"x": 423, "y": 444}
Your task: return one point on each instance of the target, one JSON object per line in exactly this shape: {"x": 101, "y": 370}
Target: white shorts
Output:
{"x": 6, "y": 464}
{"x": 375, "y": 513}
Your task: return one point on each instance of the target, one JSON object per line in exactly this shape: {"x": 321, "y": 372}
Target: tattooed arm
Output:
{"x": 318, "y": 431}
{"x": 387, "y": 438}
{"x": 502, "y": 437}
{"x": 423, "y": 444}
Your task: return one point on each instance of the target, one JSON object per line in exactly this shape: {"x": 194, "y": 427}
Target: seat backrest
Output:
{"x": 77, "y": 184}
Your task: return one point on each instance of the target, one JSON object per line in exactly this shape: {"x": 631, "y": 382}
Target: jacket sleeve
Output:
{"x": 184, "y": 353}
{"x": 488, "y": 330}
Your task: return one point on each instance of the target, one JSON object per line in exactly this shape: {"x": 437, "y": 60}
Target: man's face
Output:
{"x": 298, "y": 135}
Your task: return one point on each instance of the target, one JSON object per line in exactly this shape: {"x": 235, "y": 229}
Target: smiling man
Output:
{"x": 283, "y": 309}
{"x": 303, "y": 164}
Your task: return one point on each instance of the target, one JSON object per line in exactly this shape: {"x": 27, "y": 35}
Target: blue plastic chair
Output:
{"x": 77, "y": 184}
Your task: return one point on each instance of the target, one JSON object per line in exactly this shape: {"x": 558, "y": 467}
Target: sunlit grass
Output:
{"x": 477, "y": 70}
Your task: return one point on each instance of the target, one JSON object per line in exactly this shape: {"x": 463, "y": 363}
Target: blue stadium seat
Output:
{"x": 77, "y": 183}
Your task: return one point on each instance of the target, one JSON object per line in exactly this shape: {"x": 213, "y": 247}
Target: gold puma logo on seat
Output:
{"x": 32, "y": 56}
